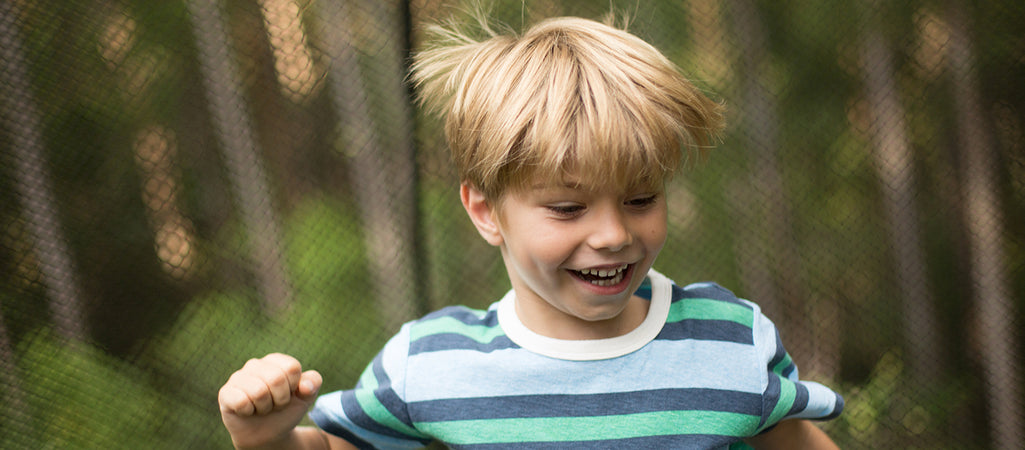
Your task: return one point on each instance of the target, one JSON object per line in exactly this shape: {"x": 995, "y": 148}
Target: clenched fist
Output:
{"x": 264, "y": 400}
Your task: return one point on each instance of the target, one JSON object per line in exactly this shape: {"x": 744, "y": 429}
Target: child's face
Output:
{"x": 575, "y": 256}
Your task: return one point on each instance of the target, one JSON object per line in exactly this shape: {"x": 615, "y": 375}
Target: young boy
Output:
{"x": 563, "y": 138}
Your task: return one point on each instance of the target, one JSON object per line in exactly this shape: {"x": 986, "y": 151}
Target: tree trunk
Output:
{"x": 33, "y": 184}
{"x": 993, "y": 303}
{"x": 382, "y": 176}
{"x": 232, "y": 126}
{"x": 770, "y": 263}
{"x": 894, "y": 167}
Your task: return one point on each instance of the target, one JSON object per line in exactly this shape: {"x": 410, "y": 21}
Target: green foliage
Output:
{"x": 101, "y": 71}
{"x": 76, "y": 396}
{"x": 926, "y": 418}
{"x": 330, "y": 326}
{"x": 80, "y": 397}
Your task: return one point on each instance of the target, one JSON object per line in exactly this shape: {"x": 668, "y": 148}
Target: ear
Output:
{"x": 482, "y": 213}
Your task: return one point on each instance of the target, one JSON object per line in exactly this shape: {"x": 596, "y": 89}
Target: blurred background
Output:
{"x": 187, "y": 184}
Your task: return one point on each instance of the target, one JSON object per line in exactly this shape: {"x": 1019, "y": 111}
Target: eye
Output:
{"x": 565, "y": 210}
{"x": 643, "y": 201}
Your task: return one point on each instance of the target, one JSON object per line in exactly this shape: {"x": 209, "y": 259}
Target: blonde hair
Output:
{"x": 570, "y": 96}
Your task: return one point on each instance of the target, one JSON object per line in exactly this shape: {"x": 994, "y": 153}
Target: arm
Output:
{"x": 262, "y": 403}
{"x": 793, "y": 434}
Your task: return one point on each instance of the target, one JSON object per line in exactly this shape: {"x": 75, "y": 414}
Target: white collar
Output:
{"x": 590, "y": 349}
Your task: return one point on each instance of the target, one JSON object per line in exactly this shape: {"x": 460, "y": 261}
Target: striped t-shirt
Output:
{"x": 704, "y": 370}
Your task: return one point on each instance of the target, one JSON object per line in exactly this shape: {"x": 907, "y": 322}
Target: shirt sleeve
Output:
{"x": 785, "y": 395}
{"x": 374, "y": 413}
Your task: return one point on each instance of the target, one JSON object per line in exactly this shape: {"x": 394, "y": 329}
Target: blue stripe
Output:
{"x": 386, "y": 395}
{"x": 837, "y": 409}
{"x": 463, "y": 373}
{"x": 649, "y": 442}
{"x": 644, "y": 291}
{"x": 455, "y": 341}
{"x": 619, "y": 403}
{"x": 465, "y": 315}
{"x": 710, "y": 291}
{"x": 779, "y": 356}
{"x": 800, "y": 400}
{"x": 770, "y": 398}
{"x": 707, "y": 330}
{"x": 325, "y": 423}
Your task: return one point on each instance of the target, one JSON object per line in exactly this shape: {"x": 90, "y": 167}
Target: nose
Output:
{"x": 610, "y": 230}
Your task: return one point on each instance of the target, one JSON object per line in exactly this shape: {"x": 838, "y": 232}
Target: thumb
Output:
{"x": 309, "y": 384}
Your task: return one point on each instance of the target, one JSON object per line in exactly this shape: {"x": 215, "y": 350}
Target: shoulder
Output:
{"x": 456, "y": 327}
{"x": 708, "y": 300}
{"x": 708, "y": 290}
{"x": 715, "y": 313}
{"x": 455, "y": 319}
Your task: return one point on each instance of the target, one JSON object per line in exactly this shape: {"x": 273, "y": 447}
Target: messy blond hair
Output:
{"x": 570, "y": 96}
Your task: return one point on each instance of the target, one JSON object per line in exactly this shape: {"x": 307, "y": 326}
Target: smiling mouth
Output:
{"x": 603, "y": 277}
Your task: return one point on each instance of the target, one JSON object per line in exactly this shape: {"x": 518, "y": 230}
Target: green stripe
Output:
{"x": 569, "y": 429}
{"x": 479, "y": 333}
{"x": 376, "y": 410}
{"x": 707, "y": 309}
{"x": 783, "y": 364}
{"x": 787, "y": 394}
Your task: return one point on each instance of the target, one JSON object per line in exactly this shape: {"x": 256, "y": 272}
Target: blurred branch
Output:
{"x": 994, "y": 307}
{"x": 770, "y": 262}
{"x": 19, "y": 114}
{"x": 383, "y": 178}
{"x": 233, "y": 127}
{"x": 894, "y": 166}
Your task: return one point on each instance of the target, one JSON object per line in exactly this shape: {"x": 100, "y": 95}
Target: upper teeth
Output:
{"x": 604, "y": 272}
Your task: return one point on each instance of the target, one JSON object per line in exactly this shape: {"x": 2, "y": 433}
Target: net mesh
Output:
{"x": 189, "y": 184}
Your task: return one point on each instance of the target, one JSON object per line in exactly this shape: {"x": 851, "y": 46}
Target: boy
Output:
{"x": 563, "y": 138}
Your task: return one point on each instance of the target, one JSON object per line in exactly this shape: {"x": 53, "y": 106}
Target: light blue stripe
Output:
{"x": 713, "y": 365}
{"x": 821, "y": 401}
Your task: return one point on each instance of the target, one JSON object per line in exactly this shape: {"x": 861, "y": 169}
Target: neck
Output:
{"x": 571, "y": 328}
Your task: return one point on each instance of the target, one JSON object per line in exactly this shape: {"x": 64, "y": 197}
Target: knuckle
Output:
{"x": 276, "y": 378}
{"x": 261, "y": 396}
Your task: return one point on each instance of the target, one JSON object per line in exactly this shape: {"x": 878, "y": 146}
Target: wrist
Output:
{"x": 296, "y": 438}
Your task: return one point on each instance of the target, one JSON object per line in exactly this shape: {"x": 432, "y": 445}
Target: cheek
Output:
{"x": 657, "y": 230}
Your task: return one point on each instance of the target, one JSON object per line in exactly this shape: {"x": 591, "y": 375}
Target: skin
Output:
{"x": 262, "y": 403}
{"x": 548, "y": 234}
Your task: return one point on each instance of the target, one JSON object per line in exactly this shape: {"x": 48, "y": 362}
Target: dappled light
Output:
{"x": 187, "y": 184}
{"x": 156, "y": 154}
{"x": 293, "y": 60}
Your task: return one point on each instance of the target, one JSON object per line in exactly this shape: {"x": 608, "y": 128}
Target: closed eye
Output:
{"x": 643, "y": 201}
{"x": 565, "y": 210}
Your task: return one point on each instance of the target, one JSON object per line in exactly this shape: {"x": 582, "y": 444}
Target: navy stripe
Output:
{"x": 710, "y": 291}
{"x": 644, "y": 291}
{"x": 789, "y": 370}
{"x": 385, "y": 395}
{"x": 589, "y": 405}
{"x": 646, "y": 442}
{"x": 778, "y": 357}
{"x": 837, "y": 409}
{"x": 464, "y": 315}
{"x": 800, "y": 399}
{"x": 325, "y": 423}
{"x": 455, "y": 341}
{"x": 707, "y": 330}
{"x": 770, "y": 398}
